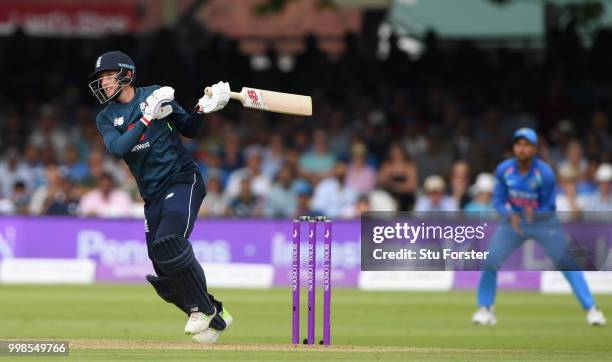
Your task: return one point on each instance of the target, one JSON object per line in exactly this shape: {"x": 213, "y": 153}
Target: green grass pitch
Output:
{"x": 129, "y": 322}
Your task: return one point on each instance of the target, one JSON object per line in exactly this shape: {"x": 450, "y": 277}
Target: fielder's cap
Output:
{"x": 113, "y": 60}
{"x": 485, "y": 182}
{"x": 434, "y": 183}
{"x": 604, "y": 173}
{"x": 527, "y": 133}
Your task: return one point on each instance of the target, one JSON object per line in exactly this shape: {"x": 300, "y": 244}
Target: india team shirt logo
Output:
{"x": 118, "y": 121}
{"x": 533, "y": 184}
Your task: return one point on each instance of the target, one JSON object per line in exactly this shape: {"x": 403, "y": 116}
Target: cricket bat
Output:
{"x": 271, "y": 101}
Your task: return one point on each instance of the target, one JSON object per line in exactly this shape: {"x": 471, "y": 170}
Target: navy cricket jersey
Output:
{"x": 154, "y": 153}
{"x": 514, "y": 192}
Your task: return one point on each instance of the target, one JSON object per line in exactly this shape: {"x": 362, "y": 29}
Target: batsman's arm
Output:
{"x": 188, "y": 124}
{"x": 116, "y": 143}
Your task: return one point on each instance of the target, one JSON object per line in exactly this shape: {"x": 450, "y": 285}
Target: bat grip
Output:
{"x": 233, "y": 95}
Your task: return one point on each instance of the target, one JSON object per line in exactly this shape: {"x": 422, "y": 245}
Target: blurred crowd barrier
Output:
{"x": 65, "y": 250}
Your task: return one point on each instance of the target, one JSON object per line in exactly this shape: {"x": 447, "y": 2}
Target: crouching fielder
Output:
{"x": 142, "y": 126}
{"x": 525, "y": 189}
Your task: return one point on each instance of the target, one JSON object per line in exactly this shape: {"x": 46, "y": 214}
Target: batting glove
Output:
{"x": 214, "y": 100}
{"x": 153, "y": 108}
{"x": 163, "y": 111}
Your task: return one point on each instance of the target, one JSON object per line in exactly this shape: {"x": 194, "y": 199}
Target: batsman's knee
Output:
{"x": 174, "y": 256}
{"x": 172, "y": 253}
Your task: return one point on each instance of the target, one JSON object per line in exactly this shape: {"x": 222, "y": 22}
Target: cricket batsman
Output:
{"x": 524, "y": 196}
{"x": 143, "y": 127}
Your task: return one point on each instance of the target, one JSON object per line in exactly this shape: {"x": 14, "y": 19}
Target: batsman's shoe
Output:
{"x": 595, "y": 317}
{"x": 484, "y": 316}
{"x": 211, "y": 335}
{"x": 198, "y": 322}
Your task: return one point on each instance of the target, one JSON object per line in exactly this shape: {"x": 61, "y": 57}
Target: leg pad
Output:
{"x": 174, "y": 256}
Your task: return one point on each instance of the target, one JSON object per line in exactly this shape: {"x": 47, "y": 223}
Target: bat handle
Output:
{"x": 233, "y": 95}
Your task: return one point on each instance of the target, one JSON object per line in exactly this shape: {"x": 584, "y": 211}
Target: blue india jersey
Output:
{"x": 514, "y": 192}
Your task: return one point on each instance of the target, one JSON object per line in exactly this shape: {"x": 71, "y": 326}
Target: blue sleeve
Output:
{"x": 116, "y": 143}
{"x": 548, "y": 191}
{"x": 500, "y": 192}
{"x": 187, "y": 124}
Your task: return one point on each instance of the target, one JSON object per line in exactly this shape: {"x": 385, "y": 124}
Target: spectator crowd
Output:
{"x": 387, "y": 134}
